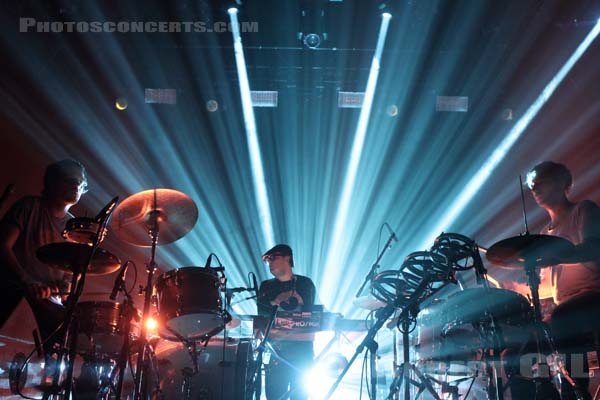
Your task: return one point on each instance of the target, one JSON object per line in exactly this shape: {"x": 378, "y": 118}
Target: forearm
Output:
{"x": 584, "y": 252}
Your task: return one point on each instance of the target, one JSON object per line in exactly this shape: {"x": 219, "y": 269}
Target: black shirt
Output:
{"x": 297, "y": 294}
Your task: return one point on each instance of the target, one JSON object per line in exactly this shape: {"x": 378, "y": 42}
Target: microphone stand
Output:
{"x": 375, "y": 266}
{"x": 68, "y": 344}
{"x": 144, "y": 353}
{"x": 129, "y": 313}
{"x": 381, "y": 316}
{"x": 261, "y": 349}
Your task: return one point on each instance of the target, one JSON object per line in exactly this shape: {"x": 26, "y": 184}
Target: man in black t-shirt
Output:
{"x": 289, "y": 292}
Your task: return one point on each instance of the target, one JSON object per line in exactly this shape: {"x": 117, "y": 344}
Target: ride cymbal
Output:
{"x": 172, "y": 213}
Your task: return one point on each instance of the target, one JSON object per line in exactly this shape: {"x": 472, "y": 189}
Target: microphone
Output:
{"x": 255, "y": 284}
{"x": 107, "y": 210}
{"x": 119, "y": 281}
{"x": 208, "y": 261}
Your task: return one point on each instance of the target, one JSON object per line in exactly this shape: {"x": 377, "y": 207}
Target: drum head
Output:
{"x": 192, "y": 326}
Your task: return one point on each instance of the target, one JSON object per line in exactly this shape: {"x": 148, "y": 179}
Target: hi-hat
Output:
{"x": 71, "y": 257}
{"x": 514, "y": 252}
{"x": 173, "y": 213}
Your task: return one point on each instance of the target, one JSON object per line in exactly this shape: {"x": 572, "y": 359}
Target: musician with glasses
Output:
{"x": 573, "y": 279}
{"x": 289, "y": 292}
{"x": 32, "y": 222}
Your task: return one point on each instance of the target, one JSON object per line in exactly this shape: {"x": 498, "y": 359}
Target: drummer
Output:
{"x": 573, "y": 280}
{"x": 34, "y": 221}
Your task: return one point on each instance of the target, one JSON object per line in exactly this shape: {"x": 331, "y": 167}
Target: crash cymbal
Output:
{"x": 512, "y": 253}
{"x": 368, "y": 303}
{"x": 174, "y": 212}
{"x": 70, "y": 257}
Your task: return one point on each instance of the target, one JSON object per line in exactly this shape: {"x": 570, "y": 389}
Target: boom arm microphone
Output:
{"x": 119, "y": 281}
{"x": 107, "y": 210}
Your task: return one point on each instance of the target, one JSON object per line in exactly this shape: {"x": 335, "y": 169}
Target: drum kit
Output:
{"x": 475, "y": 324}
{"x": 464, "y": 334}
{"x": 109, "y": 335}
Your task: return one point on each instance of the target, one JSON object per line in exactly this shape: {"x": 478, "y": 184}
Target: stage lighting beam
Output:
{"x": 333, "y": 257}
{"x": 482, "y": 175}
{"x": 260, "y": 187}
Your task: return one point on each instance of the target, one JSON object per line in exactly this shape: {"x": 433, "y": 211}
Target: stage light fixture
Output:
{"x": 312, "y": 40}
{"x": 392, "y": 110}
{"x": 212, "y": 105}
{"x": 121, "y": 103}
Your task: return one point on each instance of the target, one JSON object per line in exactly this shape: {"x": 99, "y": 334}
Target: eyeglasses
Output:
{"x": 273, "y": 256}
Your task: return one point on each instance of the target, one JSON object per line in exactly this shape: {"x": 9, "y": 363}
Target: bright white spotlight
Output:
{"x": 514, "y": 134}
{"x": 386, "y": 15}
{"x": 232, "y": 10}
{"x": 334, "y": 255}
{"x": 258, "y": 174}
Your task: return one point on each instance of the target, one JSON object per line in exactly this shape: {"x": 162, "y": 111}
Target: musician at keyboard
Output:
{"x": 290, "y": 292}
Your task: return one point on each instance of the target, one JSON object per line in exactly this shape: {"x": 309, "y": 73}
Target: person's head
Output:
{"x": 65, "y": 181}
{"x": 280, "y": 259}
{"x": 549, "y": 182}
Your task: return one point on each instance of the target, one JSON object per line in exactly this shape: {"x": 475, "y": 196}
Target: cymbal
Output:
{"x": 70, "y": 257}
{"x": 368, "y": 303}
{"x": 174, "y": 212}
{"x": 512, "y": 253}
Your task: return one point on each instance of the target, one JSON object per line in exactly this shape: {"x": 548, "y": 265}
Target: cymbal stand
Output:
{"x": 489, "y": 328}
{"x": 146, "y": 352}
{"x": 68, "y": 344}
{"x": 541, "y": 329}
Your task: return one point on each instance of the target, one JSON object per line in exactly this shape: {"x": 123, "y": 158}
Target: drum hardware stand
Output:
{"x": 489, "y": 330}
{"x": 68, "y": 344}
{"x": 375, "y": 266}
{"x": 121, "y": 366}
{"x": 542, "y": 331}
{"x": 403, "y": 371}
{"x": 380, "y": 317}
{"x": 256, "y": 378}
{"x": 146, "y": 352}
{"x": 533, "y": 279}
{"x": 187, "y": 372}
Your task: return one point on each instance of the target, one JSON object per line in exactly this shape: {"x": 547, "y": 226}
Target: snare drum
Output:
{"x": 189, "y": 303}
{"x": 82, "y": 230}
{"x": 101, "y": 329}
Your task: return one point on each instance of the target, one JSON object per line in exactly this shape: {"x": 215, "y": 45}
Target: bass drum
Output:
{"x": 224, "y": 370}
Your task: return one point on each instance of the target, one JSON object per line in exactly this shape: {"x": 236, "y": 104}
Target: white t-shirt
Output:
{"x": 573, "y": 280}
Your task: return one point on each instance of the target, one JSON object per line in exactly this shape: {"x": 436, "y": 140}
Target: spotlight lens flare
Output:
{"x": 151, "y": 324}
{"x": 232, "y": 10}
